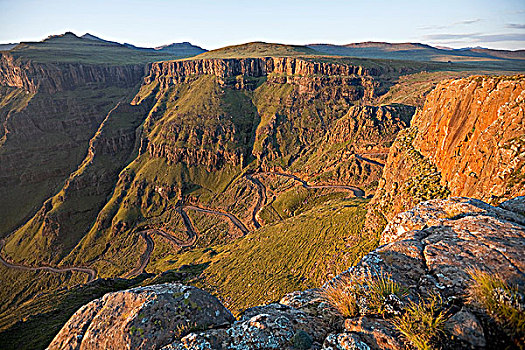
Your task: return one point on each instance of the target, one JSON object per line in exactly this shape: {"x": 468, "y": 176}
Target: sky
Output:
{"x": 498, "y": 24}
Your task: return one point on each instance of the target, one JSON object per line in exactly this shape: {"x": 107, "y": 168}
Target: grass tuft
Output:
{"x": 422, "y": 323}
{"x": 343, "y": 296}
{"x": 503, "y": 302}
{"x": 363, "y": 295}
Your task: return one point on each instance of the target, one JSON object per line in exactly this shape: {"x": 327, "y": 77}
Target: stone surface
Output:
{"x": 516, "y": 205}
{"x": 464, "y": 326}
{"x": 344, "y": 341}
{"x": 432, "y": 247}
{"x": 273, "y": 326}
{"x": 141, "y": 318}
{"x": 378, "y": 334}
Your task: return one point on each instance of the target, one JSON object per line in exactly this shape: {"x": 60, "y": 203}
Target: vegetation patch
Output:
{"x": 503, "y": 302}
{"x": 426, "y": 183}
{"x": 369, "y": 295}
{"x": 423, "y": 323}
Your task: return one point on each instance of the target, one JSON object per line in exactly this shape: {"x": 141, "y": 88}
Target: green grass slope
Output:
{"x": 258, "y": 49}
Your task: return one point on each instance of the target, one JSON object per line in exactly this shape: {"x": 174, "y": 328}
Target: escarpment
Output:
{"x": 46, "y": 129}
{"x": 171, "y": 71}
{"x": 56, "y": 77}
{"x": 467, "y": 140}
{"x": 289, "y": 103}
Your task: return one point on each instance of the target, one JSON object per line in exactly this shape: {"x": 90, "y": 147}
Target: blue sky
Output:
{"x": 213, "y": 24}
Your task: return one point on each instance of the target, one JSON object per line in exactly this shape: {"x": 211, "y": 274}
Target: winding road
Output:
{"x": 261, "y": 201}
{"x": 371, "y": 161}
{"x": 150, "y": 244}
{"x": 355, "y": 190}
{"x": 190, "y": 229}
{"x": 92, "y": 274}
{"x": 238, "y": 223}
{"x": 144, "y": 258}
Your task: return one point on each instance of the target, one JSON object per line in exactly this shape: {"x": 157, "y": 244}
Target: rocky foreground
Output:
{"x": 428, "y": 250}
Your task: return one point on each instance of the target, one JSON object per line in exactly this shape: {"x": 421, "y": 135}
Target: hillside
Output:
{"x": 429, "y": 286}
{"x": 258, "y": 49}
{"x": 69, "y": 48}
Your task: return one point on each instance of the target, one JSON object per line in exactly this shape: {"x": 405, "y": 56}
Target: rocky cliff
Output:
{"x": 253, "y": 67}
{"x": 429, "y": 251}
{"x": 49, "y": 113}
{"x": 54, "y": 77}
{"x": 467, "y": 140}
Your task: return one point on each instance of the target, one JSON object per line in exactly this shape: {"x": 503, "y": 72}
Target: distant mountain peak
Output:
{"x": 91, "y": 37}
{"x": 59, "y": 36}
{"x": 184, "y": 44}
{"x": 181, "y": 49}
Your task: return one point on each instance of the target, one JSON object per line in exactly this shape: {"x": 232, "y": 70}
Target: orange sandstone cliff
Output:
{"x": 467, "y": 140}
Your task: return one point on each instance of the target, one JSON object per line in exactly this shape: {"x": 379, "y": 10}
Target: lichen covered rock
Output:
{"x": 141, "y": 318}
{"x": 432, "y": 247}
{"x": 274, "y": 326}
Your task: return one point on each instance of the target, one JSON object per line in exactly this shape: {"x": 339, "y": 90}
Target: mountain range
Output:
{"x": 370, "y": 49}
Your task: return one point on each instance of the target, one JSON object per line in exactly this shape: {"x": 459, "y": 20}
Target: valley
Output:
{"x": 250, "y": 171}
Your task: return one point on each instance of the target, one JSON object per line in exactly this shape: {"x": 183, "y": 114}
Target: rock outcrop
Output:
{"x": 371, "y": 126}
{"x": 467, "y": 140}
{"x": 55, "y": 77}
{"x": 175, "y": 71}
{"x": 141, "y": 318}
{"x": 428, "y": 250}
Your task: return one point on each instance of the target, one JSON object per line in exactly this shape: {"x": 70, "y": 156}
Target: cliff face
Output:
{"x": 372, "y": 125}
{"x": 467, "y": 140}
{"x": 57, "y": 77}
{"x": 169, "y": 71}
{"x": 474, "y": 131}
{"x": 49, "y": 113}
{"x": 288, "y": 104}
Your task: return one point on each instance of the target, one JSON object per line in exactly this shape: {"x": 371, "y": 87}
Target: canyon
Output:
{"x": 249, "y": 176}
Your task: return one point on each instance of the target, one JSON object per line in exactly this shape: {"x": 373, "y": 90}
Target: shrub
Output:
{"x": 503, "y": 302}
{"x": 422, "y": 323}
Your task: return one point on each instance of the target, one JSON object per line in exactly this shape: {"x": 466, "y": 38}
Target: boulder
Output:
{"x": 344, "y": 341}
{"x": 376, "y": 333}
{"x": 465, "y": 327}
{"x": 141, "y": 318}
{"x": 432, "y": 247}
